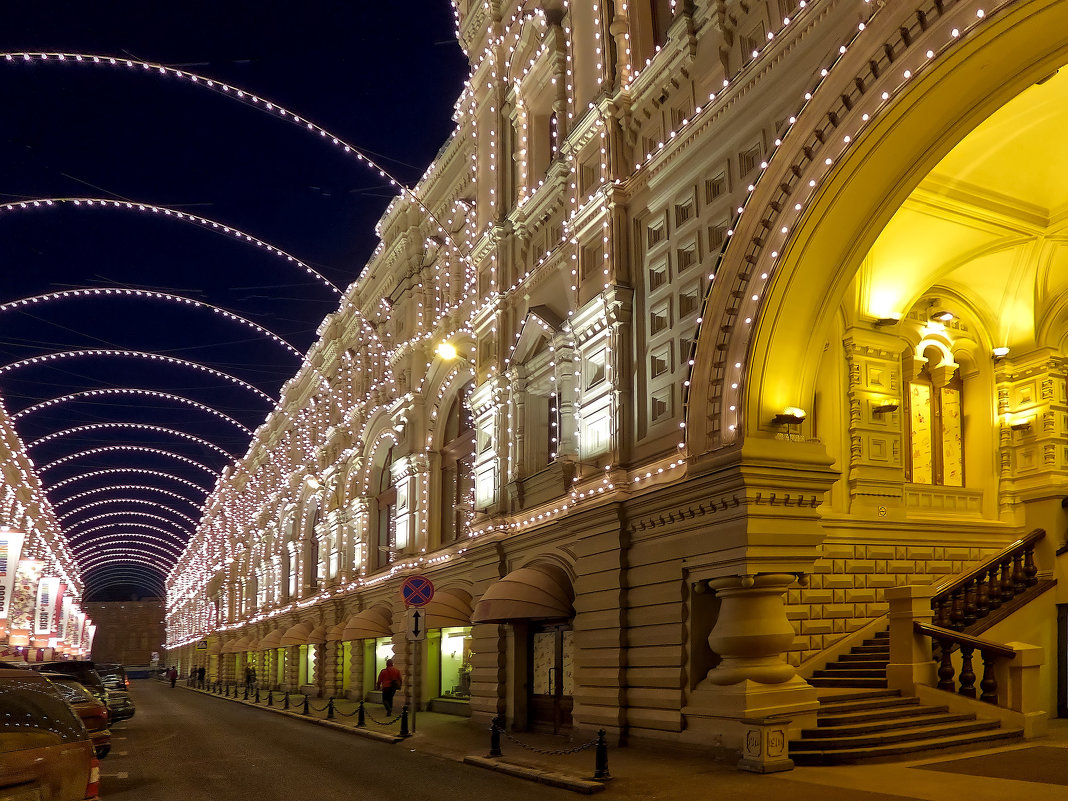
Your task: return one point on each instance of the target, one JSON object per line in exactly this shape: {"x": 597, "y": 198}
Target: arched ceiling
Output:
{"x": 989, "y": 223}
{"x": 164, "y": 307}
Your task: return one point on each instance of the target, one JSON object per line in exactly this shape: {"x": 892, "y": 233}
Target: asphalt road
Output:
{"x": 182, "y": 746}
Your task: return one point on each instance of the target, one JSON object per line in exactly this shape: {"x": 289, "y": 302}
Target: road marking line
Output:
{"x": 120, "y": 775}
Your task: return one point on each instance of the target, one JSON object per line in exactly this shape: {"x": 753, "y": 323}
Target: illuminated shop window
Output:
{"x": 456, "y": 662}
{"x": 383, "y": 651}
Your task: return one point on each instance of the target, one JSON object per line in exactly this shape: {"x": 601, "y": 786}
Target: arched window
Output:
{"x": 385, "y": 550}
{"x": 935, "y": 403}
{"x": 457, "y": 477}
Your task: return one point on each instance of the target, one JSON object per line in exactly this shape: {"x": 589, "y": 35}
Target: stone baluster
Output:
{"x": 956, "y": 612}
{"x": 989, "y": 684}
{"x": 1019, "y": 579}
{"x": 968, "y": 605}
{"x": 967, "y": 674}
{"x": 1030, "y": 568}
{"x": 1006, "y": 581}
{"x": 946, "y": 670}
{"x": 982, "y": 597}
{"x": 993, "y": 588}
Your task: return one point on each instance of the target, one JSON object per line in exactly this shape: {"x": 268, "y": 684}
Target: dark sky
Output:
{"x": 381, "y": 76}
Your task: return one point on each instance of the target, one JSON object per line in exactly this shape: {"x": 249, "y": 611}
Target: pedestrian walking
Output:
{"x": 200, "y": 677}
{"x": 389, "y": 681}
{"x": 250, "y": 678}
{"x": 172, "y": 674}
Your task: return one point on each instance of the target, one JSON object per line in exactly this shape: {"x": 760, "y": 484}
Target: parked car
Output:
{"x": 45, "y": 751}
{"x": 120, "y": 706}
{"x": 82, "y": 669}
{"x": 114, "y": 676}
{"x": 94, "y": 714}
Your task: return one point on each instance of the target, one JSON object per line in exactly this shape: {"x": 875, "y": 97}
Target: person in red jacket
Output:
{"x": 172, "y": 674}
{"x": 389, "y": 681}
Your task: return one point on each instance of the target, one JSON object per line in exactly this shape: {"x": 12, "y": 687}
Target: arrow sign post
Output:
{"x": 415, "y": 625}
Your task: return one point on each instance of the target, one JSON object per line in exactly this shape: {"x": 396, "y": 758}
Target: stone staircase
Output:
{"x": 860, "y": 720}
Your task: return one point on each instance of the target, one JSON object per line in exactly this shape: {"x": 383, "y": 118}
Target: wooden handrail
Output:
{"x": 983, "y": 646}
{"x": 1008, "y": 552}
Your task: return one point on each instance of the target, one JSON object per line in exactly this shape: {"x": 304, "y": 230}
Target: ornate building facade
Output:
{"x": 712, "y": 325}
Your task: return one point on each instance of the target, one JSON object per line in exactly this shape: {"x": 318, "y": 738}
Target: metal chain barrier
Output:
{"x": 600, "y": 771}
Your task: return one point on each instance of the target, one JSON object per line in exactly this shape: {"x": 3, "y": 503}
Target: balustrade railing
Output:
{"x": 990, "y": 652}
{"x": 975, "y": 595}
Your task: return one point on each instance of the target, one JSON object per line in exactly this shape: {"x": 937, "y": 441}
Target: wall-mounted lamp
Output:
{"x": 884, "y": 408}
{"x": 1021, "y": 425}
{"x": 942, "y": 316}
{"x": 790, "y": 416}
{"x": 446, "y": 350}
{"x": 1000, "y": 353}
{"x": 883, "y": 321}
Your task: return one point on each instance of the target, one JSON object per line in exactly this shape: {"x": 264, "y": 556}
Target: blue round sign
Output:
{"x": 417, "y": 591}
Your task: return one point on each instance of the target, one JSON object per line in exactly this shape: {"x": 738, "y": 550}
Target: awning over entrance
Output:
{"x": 237, "y": 646}
{"x": 297, "y": 635}
{"x": 448, "y": 609}
{"x": 272, "y": 640}
{"x": 537, "y": 592}
{"x": 317, "y": 635}
{"x": 369, "y": 624}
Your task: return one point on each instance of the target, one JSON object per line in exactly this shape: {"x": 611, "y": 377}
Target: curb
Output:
{"x": 539, "y": 775}
{"x": 536, "y": 775}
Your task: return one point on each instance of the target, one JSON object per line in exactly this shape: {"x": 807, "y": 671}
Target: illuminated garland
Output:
{"x": 124, "y": 488}
{"x": 134, "y": 470}
{"x": 91, "y": 393}
{"x": 130, "y": 426}
{"x": 137, "y": 354}
{"x": 21, "y": 303}
{"x": 140, "y": 501}
{"x": 127, "y": 448}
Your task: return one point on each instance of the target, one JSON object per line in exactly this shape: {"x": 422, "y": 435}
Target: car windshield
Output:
{"x": 113, "y": 681}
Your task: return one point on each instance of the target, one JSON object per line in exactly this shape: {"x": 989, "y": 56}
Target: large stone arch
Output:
{"x": 762, "y": 367}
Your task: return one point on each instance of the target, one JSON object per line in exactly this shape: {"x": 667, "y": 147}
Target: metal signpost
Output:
{"x": 417, "y": 592}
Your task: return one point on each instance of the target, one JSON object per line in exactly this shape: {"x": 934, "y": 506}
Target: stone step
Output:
{"x": 871, "y": 649}
{"x": 872, "y": 714}
{"x": 823, "y": 681}
{"x": 889, "y": 696}
{"x": 907, "y": 734}
{"x": 870, "y": 726}
{"x": 873, "y": 658}
{"x": 809, "y": 754}
{"x": 845, "y": 671}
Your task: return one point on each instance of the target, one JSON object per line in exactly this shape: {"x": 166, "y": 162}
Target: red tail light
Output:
{"x": 127, "y": 683}
{"x": 92, "y": 789}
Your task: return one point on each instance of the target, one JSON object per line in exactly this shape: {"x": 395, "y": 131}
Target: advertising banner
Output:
{"x": 47, "y": 590}
{"x": 24, "y": 601}
{"x": 10, "y": 549}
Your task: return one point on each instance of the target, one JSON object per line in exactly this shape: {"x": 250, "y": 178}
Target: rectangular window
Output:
{"x": 920, "y": 420}
{"x": 686, "y": 257}
{"x": 659, "y": 319}
{"x": 651, "y": 142}
{"x": 658, "y": 276}
{"x": 596, "y": 368}
{"x": 952, "y": 442}
{"x": 715, "y": 188}
{"x": 717, "y": 235}
{"x": 748, "y": 160}
{"x": 660, "y": 404}
{"x": 654, "y": 234}
{"x": 659, "y": 362}
{"x": 684, "y": 211}
{"x": 688, "y": 301}
{"x": 591, "y": 261}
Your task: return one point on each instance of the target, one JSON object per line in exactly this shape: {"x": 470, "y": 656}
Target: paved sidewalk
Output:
{"x": 1034, "y": 769}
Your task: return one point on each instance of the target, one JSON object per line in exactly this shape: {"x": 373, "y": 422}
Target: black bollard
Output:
{"x": 270, "y": 698}
{"x": 306, "y": 697}
{"x": 404, "y": 722}
{"x": 257, "y": 695}
{"x": 285, "y": 702}
{"x": 330, "y": 708}
{"x": 600, "y": 765}
{"x": 246, "y": 693}
{"x": 359, "y": 715}
{"x": 495, "y": 738}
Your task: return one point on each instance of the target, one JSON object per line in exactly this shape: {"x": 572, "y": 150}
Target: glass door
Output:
{"x": 552, "y": 682}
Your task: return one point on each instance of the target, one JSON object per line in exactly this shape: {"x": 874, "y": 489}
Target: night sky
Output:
{"x": 381, "y": 76}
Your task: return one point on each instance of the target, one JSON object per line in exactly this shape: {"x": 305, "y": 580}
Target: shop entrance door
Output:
{"x": 552, "y": 677}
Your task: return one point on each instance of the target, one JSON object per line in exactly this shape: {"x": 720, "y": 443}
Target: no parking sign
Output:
{"x": 417, "y": 591}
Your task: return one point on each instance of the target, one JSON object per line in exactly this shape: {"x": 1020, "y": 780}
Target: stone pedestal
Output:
{"x": 910, "y": 653}
{"x": 765, "y": 746}
{"x": 753, "y": 680}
